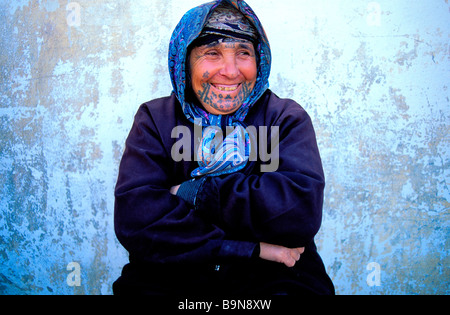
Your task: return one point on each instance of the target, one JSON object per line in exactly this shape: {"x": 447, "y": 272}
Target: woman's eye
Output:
{"x": 244, "y": 53}
{"x": 211, "y": 53}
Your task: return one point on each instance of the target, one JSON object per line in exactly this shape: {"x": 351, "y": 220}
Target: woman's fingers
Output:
{"x": 293, "y": 256}
{"x": 281, "y": 254}
{"x": 174, "y": 190}
{"x": 296, "y": 253}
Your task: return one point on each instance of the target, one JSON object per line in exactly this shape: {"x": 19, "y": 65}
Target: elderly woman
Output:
{"x": 216, "y": 221}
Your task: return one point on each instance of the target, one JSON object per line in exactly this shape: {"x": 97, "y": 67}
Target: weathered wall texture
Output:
{"x": 373, "y": 75}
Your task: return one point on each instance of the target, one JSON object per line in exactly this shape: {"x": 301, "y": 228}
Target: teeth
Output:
{"x": 227, "y": 89}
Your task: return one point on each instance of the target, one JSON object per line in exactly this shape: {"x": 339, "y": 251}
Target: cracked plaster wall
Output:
{"x": 374, "y": 77}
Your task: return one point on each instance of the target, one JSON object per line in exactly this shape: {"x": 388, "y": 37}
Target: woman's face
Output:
{"x": 223, "y": 75}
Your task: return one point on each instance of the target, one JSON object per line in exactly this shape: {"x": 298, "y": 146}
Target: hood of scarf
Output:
{"x": 189, "y": 29}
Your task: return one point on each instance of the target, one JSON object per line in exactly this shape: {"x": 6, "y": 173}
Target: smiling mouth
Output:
{"x": 227, "y": 88}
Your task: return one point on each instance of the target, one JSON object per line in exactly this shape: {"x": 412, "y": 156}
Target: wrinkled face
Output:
{"x": 223, "y": 75}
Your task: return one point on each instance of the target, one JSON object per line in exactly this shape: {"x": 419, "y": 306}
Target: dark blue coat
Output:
{"x": 178, "y": 248}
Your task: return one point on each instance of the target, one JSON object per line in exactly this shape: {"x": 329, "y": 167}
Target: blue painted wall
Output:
{"x": 374, "y": 76}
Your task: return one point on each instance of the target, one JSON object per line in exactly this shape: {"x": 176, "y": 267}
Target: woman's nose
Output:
{"x": 230, "y": 68}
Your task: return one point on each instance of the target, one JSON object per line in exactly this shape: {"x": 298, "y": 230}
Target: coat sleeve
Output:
{"x": 283, "y": 207}
{"x": 152, "y": 224}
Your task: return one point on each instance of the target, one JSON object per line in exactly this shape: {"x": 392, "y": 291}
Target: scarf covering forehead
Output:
{"x": 227, "y": 23}
{"x": 216, "y": 19}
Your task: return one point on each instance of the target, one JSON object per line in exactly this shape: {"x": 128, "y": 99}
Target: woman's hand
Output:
{"x": 174, "y": 190}
{"x": 280, "y": 254}
{"x": 275, "y": 253}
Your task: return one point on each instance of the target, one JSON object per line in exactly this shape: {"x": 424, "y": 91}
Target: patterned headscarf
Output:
{"x": 226, "y": 24}
{"x": 216, "y": 21}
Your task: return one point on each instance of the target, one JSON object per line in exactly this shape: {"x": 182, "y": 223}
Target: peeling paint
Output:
{"x": 372, "y": 75}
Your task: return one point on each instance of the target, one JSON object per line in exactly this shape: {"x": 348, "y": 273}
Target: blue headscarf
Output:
{"x": 232, "y": 154}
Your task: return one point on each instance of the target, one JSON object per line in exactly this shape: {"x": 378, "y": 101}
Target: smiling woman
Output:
{"x": 223, "y": 75}
{"x": 219, "y": 223}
